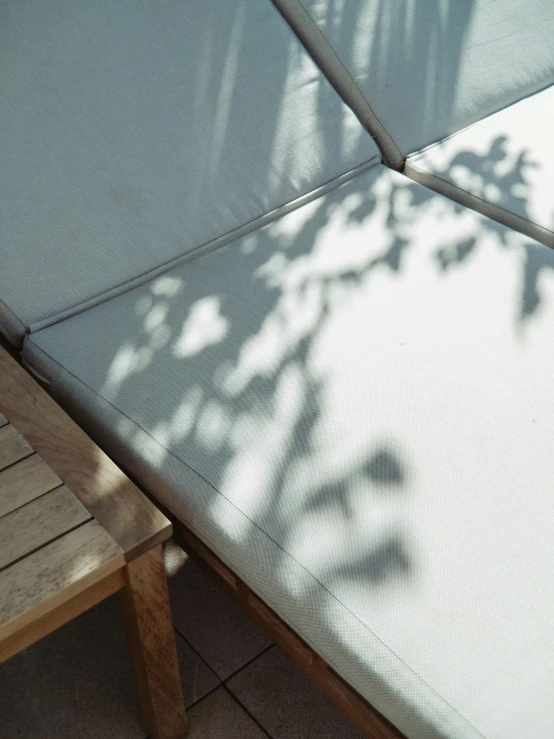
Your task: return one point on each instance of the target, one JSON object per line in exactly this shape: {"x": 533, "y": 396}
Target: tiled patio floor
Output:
{"x": 76, "y": 683}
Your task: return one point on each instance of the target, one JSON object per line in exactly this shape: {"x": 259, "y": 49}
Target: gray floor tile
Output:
{"x": 208, "y": 618}
{"x": 285, "y": 703}
{"x": 76, "y": 682}
{"x": 219, "y": 717}
{"x": 196, "y": 677}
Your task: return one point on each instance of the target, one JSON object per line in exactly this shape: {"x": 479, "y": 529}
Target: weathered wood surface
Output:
{"x": 56, "y": 560}
{"x": 25, "y": 481}
{"x": 61, "y": 614}
{"x": 132, "y": 520}
{"x": 13, "y": 446}
{"x": 39, "y": 522}
{"x": 40, "y": 582}
{"x": 149, "y": 629}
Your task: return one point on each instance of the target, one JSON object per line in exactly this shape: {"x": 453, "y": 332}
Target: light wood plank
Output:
{"x": 38, "y": 584}
{"x": 13, "y": 446}
{"x": 61, "y": 615}
{"x": 147, "y": 620}
{"x": 132, "y": 520}
{"x": 3, "y": 421}
{"x": 25, "y": 481}
{"x": 35, "y": 524}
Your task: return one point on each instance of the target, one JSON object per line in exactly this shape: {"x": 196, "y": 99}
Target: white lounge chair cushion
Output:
{"x": 353, "y": 407}
{"x": 416, "y": 71}
{"x": 135, "y": 132}
{"x": 502, "y": 166}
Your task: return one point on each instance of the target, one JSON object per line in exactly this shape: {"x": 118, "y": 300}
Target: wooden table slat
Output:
{"x": 42, "y": 581}
{"x": 25, "y": 481}
{"x": 61, "y": 614}
{"x": 132, "y": 520}
{"x": 13, "y": 446}
{"x": 38, "y": 523}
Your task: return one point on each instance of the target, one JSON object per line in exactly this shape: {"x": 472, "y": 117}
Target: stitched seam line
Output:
{"x": 209, "y": 246}
{"x": 482, "y": 120}
{"x": 453, "y": 186}
{"x": 316, "y": 28}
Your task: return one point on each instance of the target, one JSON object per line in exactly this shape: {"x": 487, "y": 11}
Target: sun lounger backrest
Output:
{"x": 134, "y": 133}
{"x": 416, "y": 71}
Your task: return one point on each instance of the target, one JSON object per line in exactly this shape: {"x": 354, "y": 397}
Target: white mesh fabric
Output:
{"x": 352, "y": 406}
{"x": 501, "y": 166}
{"x": 135, "y": 132}
{"x": 416, "y": 71}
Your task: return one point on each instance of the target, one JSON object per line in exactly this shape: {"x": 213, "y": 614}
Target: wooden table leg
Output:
{"x": 147, "y": 618}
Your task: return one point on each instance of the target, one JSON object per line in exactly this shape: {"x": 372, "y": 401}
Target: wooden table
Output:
{"x": 73, "y": 530}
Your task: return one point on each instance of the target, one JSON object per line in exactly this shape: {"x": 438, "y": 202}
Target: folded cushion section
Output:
{"x": 417, "y": 71}
{"x": 134, "y": 133}
{"x": 358, "y": 420}
{"x": 501, "y": 166}
{"x": 10, "y": 326}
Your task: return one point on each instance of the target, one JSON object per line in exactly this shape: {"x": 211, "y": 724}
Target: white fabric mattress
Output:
{"x": 353, "y": 407}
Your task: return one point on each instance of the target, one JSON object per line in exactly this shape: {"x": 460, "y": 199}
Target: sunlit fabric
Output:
{"x": 135, "y": 132}
{"x": 416, "y": 71}
{"x": 353, "y": 407}
{"x": 501, "y": 166}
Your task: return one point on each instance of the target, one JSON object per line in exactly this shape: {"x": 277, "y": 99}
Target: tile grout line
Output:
{"x": 211, "y": 690}
{"x": 240, "y": 705}
{"x": 206, "y": 695}
{"x": 197, "y": 653}
{"x": 248, "y": 663}
{"x": 222, "y": 682}
{"x": 232, "y": 674}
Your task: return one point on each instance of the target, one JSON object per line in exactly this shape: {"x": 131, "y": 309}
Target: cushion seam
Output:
{"x": 208, "y": 246}
{"x": 476, "y": 197}
{"x": 478, "y": 122}
{"x": 11, "y": 317}
{"x": 320, "y": 33}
